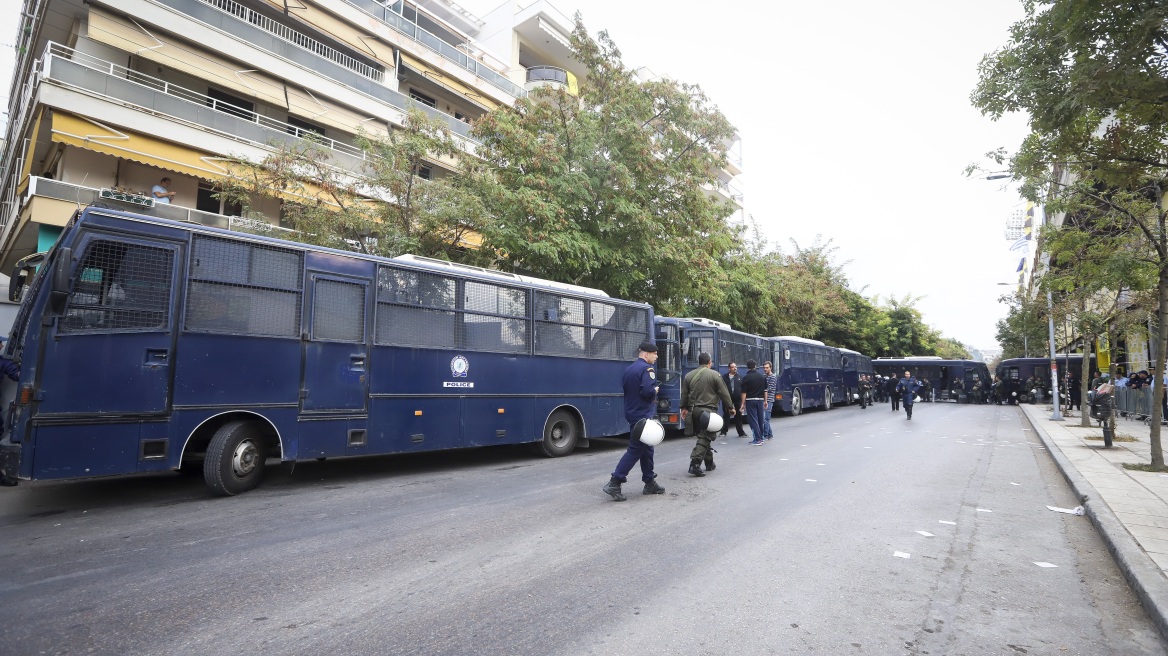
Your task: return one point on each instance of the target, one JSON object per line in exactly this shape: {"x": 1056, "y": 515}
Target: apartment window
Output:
{"x": 424, "y": 172}
{"x": 422, "y": 98}
{"x": 299, "y": 126}
{"x": 206, "y": 200}
{"x": 226, "y": 102}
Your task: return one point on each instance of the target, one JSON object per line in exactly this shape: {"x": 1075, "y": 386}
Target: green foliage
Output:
{"x": 605, "y": 190}
{"x": 1092, "y": 75}
{"x": 1024, "y": 330}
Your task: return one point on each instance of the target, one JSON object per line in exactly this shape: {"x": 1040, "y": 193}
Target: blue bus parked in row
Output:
{"x": 148, "y": 345}
{"x": 942, "y": 374}
{"x": 810, "y": 374}
{"x": 855, "y": 364}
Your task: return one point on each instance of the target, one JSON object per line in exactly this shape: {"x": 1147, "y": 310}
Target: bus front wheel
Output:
{"x": 796, "y": 403}
{"x": 235, "y": 459}
{"x": 827, "y": 400}
{"x": 559, "y": 434}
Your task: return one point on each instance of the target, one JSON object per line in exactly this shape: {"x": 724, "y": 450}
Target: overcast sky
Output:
{"x": 855, "y": 124}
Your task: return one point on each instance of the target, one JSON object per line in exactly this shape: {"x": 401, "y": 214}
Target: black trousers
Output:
{"x": 737, "y": 419}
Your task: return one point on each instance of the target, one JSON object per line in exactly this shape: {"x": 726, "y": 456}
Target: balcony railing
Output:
{"x": 452, "y": 53}
{"x": 77, "y": 69}
{"x": 248, "y": 33}
{"x": 296, "y": 38}
{"x": 547, "y": 74}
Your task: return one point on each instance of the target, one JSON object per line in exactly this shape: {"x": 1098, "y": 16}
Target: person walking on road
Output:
{"x": 772, "y": 388}
{"x": 640, "y": 387}
{"x": 907, "y": 388}
{"x": 754, "y": 400}
{"x": 733, "y": 384}
{"x": 701, "y": 389}
{"x": 890, "y": 386}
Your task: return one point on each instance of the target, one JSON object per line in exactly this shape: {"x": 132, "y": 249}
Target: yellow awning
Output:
{"x": 91, "y": 135}
{"x": 27, "y": 168}
{"x": 448, "y": 81}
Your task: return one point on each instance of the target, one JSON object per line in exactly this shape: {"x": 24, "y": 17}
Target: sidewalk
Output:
{"x": 1128, "y": 508}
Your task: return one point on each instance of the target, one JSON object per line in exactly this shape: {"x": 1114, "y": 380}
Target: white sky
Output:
{"x": 855, "y": 124}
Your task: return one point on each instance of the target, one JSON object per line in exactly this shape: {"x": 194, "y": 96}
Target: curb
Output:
{"x": 1141, "y": 572}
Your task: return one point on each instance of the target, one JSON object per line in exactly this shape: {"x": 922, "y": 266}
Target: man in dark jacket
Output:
{"x": 733, "y": 385}
{"x": 890, "y": 388}
{"x": 754, "y": 401}
{"x": 907, "y": 388}
{"x": 640, "y": 387}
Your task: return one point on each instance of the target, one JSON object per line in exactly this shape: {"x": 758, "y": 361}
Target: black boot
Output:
{"x": 710, "y": 466}
{"x": 613, "y": 489}
{"x": 651, "y": 487}
{"x": 695, "y": 468}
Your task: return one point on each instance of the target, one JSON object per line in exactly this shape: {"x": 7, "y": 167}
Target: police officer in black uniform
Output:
{"x": 640, "y": 387}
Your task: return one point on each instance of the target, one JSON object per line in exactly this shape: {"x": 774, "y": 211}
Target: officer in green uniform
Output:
{"x": 700, "y": 391}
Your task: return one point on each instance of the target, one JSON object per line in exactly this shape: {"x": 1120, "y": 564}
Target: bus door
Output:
{"x": 698, "y": 341}
{"x": 117, "y": 325}
{"x": 336, "y": 352}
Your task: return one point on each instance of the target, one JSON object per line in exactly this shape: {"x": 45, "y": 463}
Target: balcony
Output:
{"x": 551, "y": 76}
{"x": 205, "y": 11}
{"x": 431, "y": 42}
{"x": 723, "y": 190}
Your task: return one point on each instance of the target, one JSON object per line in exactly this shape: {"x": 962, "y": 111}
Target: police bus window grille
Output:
{"x": 559, "y": 325}
{"x": 243, "y": 288}
{"x": 495, "y": 318}
{"x": 616, "y": 330}
{"x": 416, "y": 309}
{"x": 120, "y": 287}
{"x": 338, "y": 311}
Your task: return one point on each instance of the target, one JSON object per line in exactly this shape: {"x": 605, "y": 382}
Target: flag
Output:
{"x": 1028, "y": 226}
{"x": 1021, "y": 265}
{"x": 1020, "y": 245}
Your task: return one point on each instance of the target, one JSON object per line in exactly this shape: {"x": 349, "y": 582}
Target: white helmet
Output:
{"x": 714, "y": 423}
{"x": 649, "y": 431}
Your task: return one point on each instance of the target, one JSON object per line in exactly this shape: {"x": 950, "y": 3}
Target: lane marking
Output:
{"x": 925, "y": 533}
{"x": 900, "y": 554}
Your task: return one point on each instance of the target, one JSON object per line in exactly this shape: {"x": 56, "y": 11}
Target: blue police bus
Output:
{"x": 693, "y": 337}
{"x": 942, "y": 375}
{"x": 810, "y": 374}
{"x": 855, "y": 364}
{"x": 148, "y": 345}
{"x": 1014, "y": 372}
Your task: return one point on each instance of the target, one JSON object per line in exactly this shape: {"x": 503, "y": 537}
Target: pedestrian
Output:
{"x": 640, "y": 387}
{"x": 893, "y": 394}
{"x": 734, "y": 385}
{"x": 907, "y": 388}
{"x": 701, "y": 389}
{"x": 161, "y": 192}
{"x": 865, "y": 390}
{"x": 772, "y": 388}
{"x": 754, "y": 400}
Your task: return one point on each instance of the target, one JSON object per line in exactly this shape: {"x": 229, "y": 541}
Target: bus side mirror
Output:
{"x": 59, "y": 293}
{"x": 20, "y": 273}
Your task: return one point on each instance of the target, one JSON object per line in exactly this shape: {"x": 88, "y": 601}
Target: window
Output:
{"x": 120, "y": 287}
{"x": 338, "y": 311}
{"x": 244, "y": 288}
{"x": 416, "y": 309}
{"x": 225, "y": 102}
{"x": 300, "y": 127}
{"x": 495, "y": 317}
{"x": 424, "y": 172}
{"x": 207, "y": 200}
{"x": 422, "y": 98}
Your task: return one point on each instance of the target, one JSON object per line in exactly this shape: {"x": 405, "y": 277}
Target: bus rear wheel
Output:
{"x": 235, "y": 459}
{"x": 796, "y": 403}
{"x": 560, "y": 434}
{"x": 827, "y": 400}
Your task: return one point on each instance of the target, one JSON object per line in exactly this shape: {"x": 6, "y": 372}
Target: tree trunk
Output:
{"x": 1158, "y": 382}
{"x": 1085, "y": 384}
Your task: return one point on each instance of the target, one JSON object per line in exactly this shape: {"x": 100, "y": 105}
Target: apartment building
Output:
{"x": 110, "y": 96}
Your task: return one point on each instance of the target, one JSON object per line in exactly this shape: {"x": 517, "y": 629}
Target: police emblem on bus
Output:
{"x": 459, "y": 366}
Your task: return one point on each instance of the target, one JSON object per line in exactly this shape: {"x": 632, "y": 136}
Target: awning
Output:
{"x": 448, "y": 81}
{"x": 91, "y": 135}
{"x": 27, "y": 168}
{"x": 124, "y": 144}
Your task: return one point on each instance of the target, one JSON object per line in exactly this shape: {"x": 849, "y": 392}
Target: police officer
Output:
{"x": 893, "y": 394}
{"x": 907, "y": 387}
{"x": 700, "y": 391}
{"x": 640, "y": 387}
{"x": 865, "y": 390}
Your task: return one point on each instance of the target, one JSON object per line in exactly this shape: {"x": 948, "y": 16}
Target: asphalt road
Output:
{"x": 853, "y": 532}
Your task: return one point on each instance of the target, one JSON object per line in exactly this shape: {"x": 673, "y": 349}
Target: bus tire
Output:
{"x": 796, "y": 403}
{"x": 560, "y": 434}
{"x": 827, "y": 400}
{"x": 235, "y": 459}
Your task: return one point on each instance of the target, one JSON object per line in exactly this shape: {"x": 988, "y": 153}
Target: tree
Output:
{"x": 1093, "y": 77}
{"x": 385, "y": 207}
{"x": 606, "y": 190}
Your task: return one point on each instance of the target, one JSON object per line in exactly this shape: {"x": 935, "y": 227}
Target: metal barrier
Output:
{"x": 1136, "y": 403}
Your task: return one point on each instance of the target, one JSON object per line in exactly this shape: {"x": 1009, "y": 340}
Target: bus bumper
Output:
{"x": 9, "y": 463}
